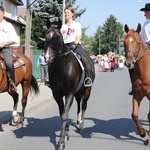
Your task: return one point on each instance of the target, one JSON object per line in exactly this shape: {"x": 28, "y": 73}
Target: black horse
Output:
{"x": 66, "y": 79}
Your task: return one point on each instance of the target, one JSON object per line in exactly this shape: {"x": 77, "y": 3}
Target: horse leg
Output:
{"x": 148, "y": 138}
{"x": 61, "y": 109}
{"x": 25, "y": 92}
{"x": 81, "y": 112}
{"x": 15, "y": 115}
{"x": 79, "y": 106}
{"x": 65, "y": 126}
{"x": 136, "y": 106}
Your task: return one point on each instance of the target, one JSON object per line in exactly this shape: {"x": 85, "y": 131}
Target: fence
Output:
{"x": 36, "y": 71}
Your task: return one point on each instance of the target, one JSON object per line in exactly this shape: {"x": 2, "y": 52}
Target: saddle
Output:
{"x": 17, "y": 61}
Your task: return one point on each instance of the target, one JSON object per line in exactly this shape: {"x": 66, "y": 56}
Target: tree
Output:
{"x": 38, "y": 31}
{"x": 108, "y": 36}
{"x": 51, "y": 11}
{"x": 48, "y": 13}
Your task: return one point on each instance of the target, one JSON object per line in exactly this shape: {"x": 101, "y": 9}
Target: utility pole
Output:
{"x": 119, "y": 44}
{"x": 99, "y": 39}
{"x": 28, "y": 29}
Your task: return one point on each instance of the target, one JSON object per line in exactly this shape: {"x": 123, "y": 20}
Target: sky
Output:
{"x": 97, "y": 11}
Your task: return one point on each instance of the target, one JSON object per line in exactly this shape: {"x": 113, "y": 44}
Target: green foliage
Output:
{"x": 107, "y": 36}
{"x": 48, "y": 13}
{"x": 38, "y": 31}
{"x": 52, "y": 11}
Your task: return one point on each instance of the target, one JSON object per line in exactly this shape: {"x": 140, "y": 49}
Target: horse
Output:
{"x": 23, "y": 76}
{"x": 137, "y": 56}
{"x": 66, "y": 77}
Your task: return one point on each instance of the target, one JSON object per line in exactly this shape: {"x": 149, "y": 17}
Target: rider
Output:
{"x": 72, "y": 33}
{"x": 8, "y": 37}
{"x": 145, "y": 33}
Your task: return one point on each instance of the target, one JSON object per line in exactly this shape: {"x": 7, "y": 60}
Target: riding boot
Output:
{"x": 12, "y": 86}
{"x": 130, "y": 74}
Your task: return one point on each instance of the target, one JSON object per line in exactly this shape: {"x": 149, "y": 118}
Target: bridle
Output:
{"x": 57, "y": 55}
{"x": 137, "y": 55}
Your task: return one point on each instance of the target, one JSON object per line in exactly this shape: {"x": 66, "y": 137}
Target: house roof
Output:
{"x": 16, "y": 21}
{"x": 21, "y": 11}
{"x": 18, "y": 2}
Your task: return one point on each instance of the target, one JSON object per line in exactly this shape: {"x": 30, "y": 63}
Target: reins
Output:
{"x": 137, "y": 57}
{"x": 59, "y": 54}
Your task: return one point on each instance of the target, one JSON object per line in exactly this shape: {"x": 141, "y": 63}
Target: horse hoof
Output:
{"x": 61, "y": 146}
{"x": 143, "y": 134}
{"x": 146, "y": 142}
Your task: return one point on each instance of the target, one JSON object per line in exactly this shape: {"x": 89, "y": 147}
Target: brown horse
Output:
{"x": 23, "y": 76}
{"x": 138, "y": 59}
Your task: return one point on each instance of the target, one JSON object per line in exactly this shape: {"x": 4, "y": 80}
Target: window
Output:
{"x": 2, "y": 3}
{"x": 13, "y": 11}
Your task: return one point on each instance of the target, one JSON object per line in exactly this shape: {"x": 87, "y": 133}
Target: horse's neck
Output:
{"x": 142, "y": 51}
{"x": 143, "y": 64}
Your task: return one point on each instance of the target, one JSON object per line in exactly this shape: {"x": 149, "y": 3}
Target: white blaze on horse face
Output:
{"x": 47, "y": 55}
{"x": 51, "y": 34}
{"x": 130, "y": 39}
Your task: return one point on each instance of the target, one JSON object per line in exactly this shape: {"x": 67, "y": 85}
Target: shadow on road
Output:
{"x": 120, "y": 128}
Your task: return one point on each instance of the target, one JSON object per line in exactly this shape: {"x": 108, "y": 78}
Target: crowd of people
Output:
{"x": 109, "y": 62}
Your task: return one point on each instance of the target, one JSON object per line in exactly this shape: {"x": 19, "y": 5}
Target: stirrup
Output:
{"x": 88, "y": 80}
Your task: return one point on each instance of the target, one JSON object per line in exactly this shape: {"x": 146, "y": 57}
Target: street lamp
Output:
{"x": 99, "y": 40}
{"x": 63, "y": 11}
{"x": 119, "y": 44}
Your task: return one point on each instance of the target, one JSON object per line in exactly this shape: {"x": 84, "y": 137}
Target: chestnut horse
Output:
{"x": 23, "y": 76}
{"x": 138, "y": 58}
{"x": 66, "y": 77}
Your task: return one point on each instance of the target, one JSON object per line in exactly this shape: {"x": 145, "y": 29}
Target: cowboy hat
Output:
{"x": 147, "y": 7}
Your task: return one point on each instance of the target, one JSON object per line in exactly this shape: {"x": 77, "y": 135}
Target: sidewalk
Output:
{"x": 6, "y": 101}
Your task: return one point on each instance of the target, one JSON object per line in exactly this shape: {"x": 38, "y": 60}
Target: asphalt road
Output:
{"x": 108, "y": 123}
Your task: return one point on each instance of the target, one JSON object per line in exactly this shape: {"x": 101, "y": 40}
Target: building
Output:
{"x": 11, "y": 16}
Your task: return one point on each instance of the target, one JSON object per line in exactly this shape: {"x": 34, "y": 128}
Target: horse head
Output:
{"x": 133, "y": 44}
{"x": 53, "y": 44}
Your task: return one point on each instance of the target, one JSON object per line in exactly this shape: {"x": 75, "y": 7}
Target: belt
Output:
{"x": 43, "y": 65}
{"x": 71, "y": 43}
{"x": 6, "y": 47}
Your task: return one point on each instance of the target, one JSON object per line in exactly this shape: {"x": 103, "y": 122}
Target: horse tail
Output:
{"x": 34, "y": 85}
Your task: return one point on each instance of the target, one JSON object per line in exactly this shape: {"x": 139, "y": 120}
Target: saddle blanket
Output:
{"x": 17, "y": 61}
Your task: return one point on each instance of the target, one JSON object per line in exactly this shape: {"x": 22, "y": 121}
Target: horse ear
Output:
{"x": 138, "y": 28}
{"x": 126, "y": 28}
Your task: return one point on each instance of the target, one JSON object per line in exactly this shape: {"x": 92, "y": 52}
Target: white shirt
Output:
{"x": 71, "y": 33}
{"x": 7, "y": 32}
{"x": 145, "y": 33}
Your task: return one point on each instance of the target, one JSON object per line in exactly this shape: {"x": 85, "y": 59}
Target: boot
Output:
{"x": 131, "y": 92}
{"x": 12, "y": 86}
{"x": 130, "y": 74}
{"x": 88, "y": 80}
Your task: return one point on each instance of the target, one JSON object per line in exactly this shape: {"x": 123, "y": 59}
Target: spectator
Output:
{"x": 43, "y": 67}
